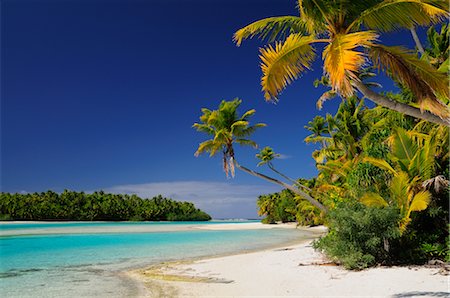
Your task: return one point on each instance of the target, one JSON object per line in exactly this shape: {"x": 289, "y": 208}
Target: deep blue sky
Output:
{"x": 101, "y": 94}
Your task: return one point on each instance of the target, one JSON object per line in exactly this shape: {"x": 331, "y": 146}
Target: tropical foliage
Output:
{"x": 350, "y": 34}
{"x": 383, "y": 177}
{"x": 70, "y": 205}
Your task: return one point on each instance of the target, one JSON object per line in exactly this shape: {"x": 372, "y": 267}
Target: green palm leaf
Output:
{"x": 403, "y": 148}
{"x": 426, "y": 83}
{"x": 397, "y": 14}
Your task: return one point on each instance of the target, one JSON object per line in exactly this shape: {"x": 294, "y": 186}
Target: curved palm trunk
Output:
{"x": 285, "y": 185}
{"x": 287, "y": 178}
{"x": 398, "y": 106}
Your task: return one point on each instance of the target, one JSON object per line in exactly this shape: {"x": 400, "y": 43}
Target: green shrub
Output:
{"x": 360, "y": 236}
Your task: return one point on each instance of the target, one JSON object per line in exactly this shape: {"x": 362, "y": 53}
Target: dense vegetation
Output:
{"x": 383, "y": 177}
{"x": 70, "y": 205}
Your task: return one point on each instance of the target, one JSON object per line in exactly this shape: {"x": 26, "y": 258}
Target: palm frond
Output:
{"x": 420, "y": 201}
{"x": 397, "y": 14}
{"x": 324, "y": 97}
{"x": 399, "y": 188}
{"x": 246, "y": 142}
{"x": 342, "y": 61}
{"x": 403, "y": 147}
{"x": 248, "y": 114}
{"x": 380, "y": 163}
{"x": 238, "y": 125}
{"x": 204, "y": 128}
{"x": 274, "y": 28}
{"x": 316, "y": 139}
{"x": 284, "y": 62}
{"x": 207, "y": 146}
{"x": 246, "y": 131}
{"x": 424, "y": 81}
{"x": 373, "y": 200}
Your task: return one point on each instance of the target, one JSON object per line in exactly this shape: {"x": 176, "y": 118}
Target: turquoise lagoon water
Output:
{"x": 70, "y": 263}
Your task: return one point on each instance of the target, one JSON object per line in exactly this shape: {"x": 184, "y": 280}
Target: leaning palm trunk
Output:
{"x": 285, "y": 185}
{"x": 397, "y": 106}
{"x": 287, "y": 178}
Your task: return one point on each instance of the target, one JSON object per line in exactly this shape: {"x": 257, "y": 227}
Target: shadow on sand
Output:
{"x": 421, "y": 294}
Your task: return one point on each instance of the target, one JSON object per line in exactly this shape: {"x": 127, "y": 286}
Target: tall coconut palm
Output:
{"x": 349, "y": 33}
{"x": 227, "y": 128}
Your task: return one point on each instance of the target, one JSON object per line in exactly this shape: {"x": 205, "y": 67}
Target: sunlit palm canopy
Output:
{"x": 348, "y": 29}
{"x": 226, "y": 127}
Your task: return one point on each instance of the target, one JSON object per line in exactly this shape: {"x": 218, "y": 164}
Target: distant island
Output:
{"x": 97, "y": 206}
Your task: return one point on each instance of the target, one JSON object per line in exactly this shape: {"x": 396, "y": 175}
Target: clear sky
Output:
{"x": 102, "y": 94}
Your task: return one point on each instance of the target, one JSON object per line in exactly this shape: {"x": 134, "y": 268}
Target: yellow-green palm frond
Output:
{"x": 403, "y": 148}
{"x": 237, "y": 125}
{"x": 248, "y": 114}
{"x": 424, "y": 81}
{"x": 326, "y": 188}
{"x": 205, "y": 116}
{"x": 373, "y": 200}
{"x": 420, "y": 201}
{"x": 208, "y": 146}
{"x": 247, "y": 131}
{"x": 342, "y": 60}
{"x": 380, "y": 163}
{"x": 246, "y": 142}
{"x": 396, "y": 14}
{"x": 319, "y": 156}
{"x": 316, "y": 139}
{"x": 284, "y": 62}
{"x": 204, "y": 128}
{"x": 399, "y": 188}
{"x": 272, "y": 29}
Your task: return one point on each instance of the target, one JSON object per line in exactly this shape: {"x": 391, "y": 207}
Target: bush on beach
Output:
{"x": 360, "y": 236}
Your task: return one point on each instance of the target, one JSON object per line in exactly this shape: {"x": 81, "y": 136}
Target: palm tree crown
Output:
{"x": 227, "y": 128}
{"x": 349, "y": 32}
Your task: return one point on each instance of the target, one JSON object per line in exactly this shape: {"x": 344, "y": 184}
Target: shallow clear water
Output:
{"x": 79, "y": 265}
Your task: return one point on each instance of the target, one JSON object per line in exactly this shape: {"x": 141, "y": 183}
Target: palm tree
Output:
{"x": 413, "y": 158}
{"x": 226, "y": 128}
{"x": 319, "y": 127}
{"x": 348, "y": 32}
{"x": 267, "y": 155}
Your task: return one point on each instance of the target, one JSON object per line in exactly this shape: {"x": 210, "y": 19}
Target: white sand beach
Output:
{"x": 294, "y": 270}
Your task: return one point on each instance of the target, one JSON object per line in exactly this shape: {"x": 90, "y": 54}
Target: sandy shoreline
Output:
{"x": 291, "y": 270}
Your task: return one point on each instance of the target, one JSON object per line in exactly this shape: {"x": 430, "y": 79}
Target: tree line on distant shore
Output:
{"x": 101, "y": 206}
